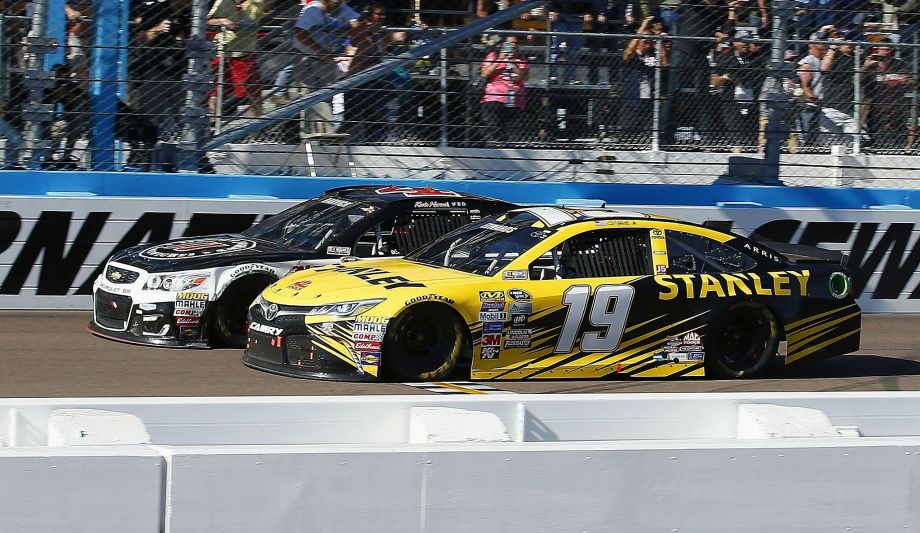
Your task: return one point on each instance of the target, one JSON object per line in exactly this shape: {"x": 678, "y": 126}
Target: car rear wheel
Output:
{"x": 423, "y": 343}
{"x": 228, "y": 321}
{"x": 742, "y": 342}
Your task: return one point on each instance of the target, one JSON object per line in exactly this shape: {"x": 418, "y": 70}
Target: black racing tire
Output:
{"x": 228, "y": 318}
{"x": 423, "y": 343}
{"x": 742, "y": 342}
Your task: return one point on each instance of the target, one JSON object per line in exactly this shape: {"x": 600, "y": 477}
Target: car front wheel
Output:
{"x": 423, "y": 343}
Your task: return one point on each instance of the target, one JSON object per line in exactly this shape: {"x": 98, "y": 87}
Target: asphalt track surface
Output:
{"x": 50, "y": 354}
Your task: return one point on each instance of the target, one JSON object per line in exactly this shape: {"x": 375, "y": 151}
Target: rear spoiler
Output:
{"x": 801, "y": 253}
{"x": 796, "y": 253}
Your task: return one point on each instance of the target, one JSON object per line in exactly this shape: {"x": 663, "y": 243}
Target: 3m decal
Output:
{"x": 492, "y": 339}
{"x": 706, "y": 285}
{"x": 376, "y": 276}
{"x": 609, "y": 311}
{"x": 488, "y": 296}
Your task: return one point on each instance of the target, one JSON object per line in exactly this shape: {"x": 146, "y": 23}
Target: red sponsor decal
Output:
{"x": 492, "y": 339}
{"x": 411, "y": 192}
{"x": 370, "y": 346}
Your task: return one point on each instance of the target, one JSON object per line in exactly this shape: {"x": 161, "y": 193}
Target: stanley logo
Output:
{"x": 784, "y": 283}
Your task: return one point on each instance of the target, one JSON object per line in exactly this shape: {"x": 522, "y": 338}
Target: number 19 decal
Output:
{"x": 609, "y": 310}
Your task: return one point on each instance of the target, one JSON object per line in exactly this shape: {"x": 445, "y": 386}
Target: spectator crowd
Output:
{"x": 692, "y": 74}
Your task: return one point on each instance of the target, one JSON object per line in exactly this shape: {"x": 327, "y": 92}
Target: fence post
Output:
{"x": 37, "y": 79}
{"x": 103, "y": 86}
{"x": 857, "y": 98}
{"x": 777, "y": 100}
{"x": 443, "y": 85}
{"x": 656, "y": 96}
{"x": 197, "y": 81}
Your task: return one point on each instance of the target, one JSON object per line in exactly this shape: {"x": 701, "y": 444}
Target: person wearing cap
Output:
{"x": 812, "y": 80}
{"x": 837, "y": 113}
{"x": 737, "y": 75}
{"x": 640, "y": 60}
{"x": 886, "y": 81}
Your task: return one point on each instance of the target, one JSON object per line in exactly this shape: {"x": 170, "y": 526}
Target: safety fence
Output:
{"x": 130, "y": 84}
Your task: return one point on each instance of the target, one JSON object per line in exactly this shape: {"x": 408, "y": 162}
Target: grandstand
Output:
{"x": 692, "y": 92}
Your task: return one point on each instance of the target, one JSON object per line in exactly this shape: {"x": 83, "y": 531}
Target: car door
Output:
{"x": 581, "y": 294}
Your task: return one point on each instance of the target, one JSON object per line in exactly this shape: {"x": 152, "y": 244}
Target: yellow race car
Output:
{"x": 560, "y": 292}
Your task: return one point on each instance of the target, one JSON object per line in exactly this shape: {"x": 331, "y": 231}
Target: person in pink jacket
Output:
{"x": 503, "y": 101}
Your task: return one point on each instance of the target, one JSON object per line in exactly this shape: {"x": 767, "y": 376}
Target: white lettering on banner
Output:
{"x": 886, "y": 275}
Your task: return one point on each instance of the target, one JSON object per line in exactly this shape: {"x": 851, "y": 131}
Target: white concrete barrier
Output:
{"x": 664, "y": 462}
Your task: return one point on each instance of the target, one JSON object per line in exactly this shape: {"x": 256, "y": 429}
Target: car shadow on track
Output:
{"x": 848, "y": 366}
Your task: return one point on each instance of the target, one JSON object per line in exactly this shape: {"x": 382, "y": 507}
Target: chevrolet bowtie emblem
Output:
{"x": 115, "y": 275}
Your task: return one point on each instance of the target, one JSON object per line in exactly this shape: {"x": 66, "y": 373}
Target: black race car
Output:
{"x": 195, "y": 292}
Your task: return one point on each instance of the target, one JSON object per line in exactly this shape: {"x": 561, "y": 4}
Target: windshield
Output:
{"x": 312, "y": 225}
{"x": 485, "y": 247}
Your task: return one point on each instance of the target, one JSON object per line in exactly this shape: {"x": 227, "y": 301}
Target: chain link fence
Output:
{"x": 118, "y": 84}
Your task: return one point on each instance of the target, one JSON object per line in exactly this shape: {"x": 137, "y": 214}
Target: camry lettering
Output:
{"x": 727, "y": 285}
{"x": 262, "y": 328}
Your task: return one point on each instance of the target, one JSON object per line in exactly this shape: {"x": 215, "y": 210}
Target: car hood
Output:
{"x": 208, "y": 252}
{"x": 361, "y": 280}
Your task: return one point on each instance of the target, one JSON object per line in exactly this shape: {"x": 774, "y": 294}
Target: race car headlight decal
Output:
{"x": 343, "y": 308}
{"x": 179, "y": 282}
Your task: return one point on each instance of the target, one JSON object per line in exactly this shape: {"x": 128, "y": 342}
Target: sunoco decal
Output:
{"x": 198, "y": 248}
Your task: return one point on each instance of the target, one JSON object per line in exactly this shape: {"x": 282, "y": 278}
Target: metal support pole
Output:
{"x": 444, "y": 114}
{"x": 777, "y": 101}
{"x": 197, "y": 82}
{"x": 912, "y": 135}
{"x": 857, "y": 98}
{"x": 219, "y": 99}
{"x": 103, "y": 87}
{"x": 656, "y": 97}
{"x": 37, "y": 79}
